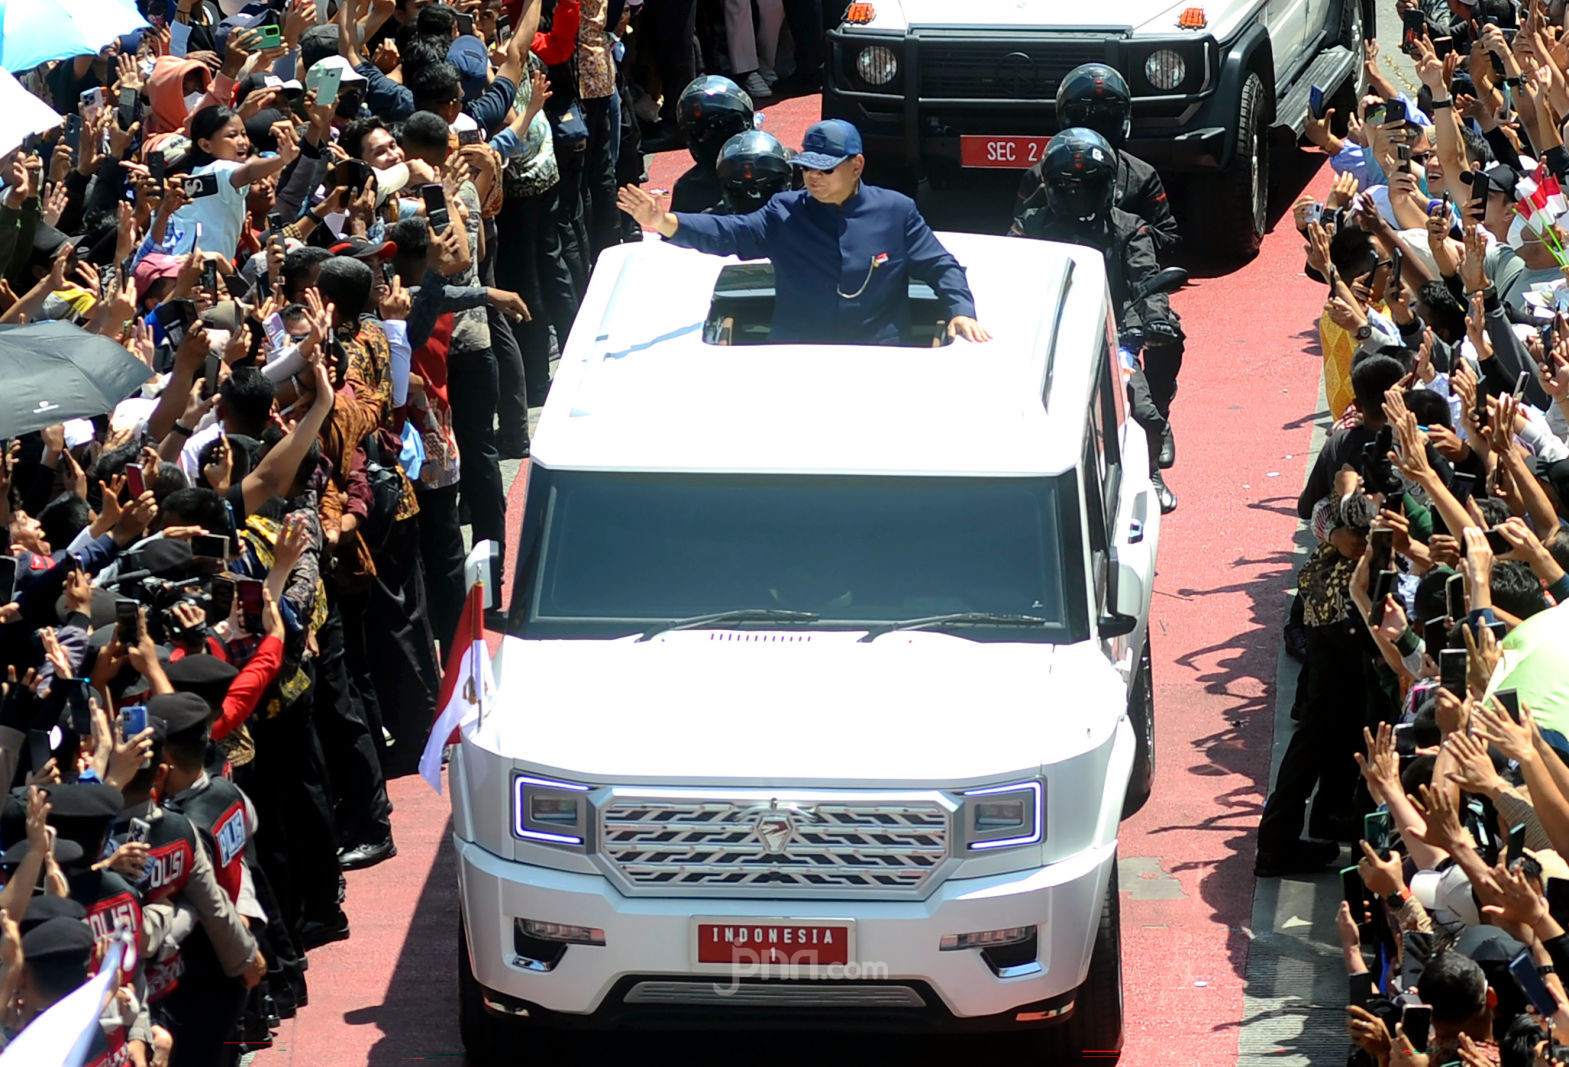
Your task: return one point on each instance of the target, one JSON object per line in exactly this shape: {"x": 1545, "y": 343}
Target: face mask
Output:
{"x": 191, "y": 100}
{"x": 408, "y": 209}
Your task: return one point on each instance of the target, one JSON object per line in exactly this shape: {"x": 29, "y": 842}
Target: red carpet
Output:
{"x": 388, "y": 994}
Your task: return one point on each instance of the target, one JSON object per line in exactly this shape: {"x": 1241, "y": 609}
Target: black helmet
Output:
{"x": 710, "y": 112}
{"x": 1079, "y": 174}
{"x": 1096, "y": 97}
{"x": 752, "y": 167}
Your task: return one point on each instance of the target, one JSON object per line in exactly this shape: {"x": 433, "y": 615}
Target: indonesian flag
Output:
{"x": 467, "y": 686}
{"x": 1535, "y": 205}
{"x": 1547, "y": 183}
{"x": 64, "y": 1035}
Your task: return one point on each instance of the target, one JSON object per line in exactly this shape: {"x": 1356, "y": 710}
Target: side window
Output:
{"x": 1106, "y": 414}
{"x": 1095, "y": 518}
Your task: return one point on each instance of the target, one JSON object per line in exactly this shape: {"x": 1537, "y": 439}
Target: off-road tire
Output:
{"x": 1141, "y": 713}
{"x": 1096, "y": 1022}
{"x": 486, "y": 1037}
{"x": 1234, "y": 204}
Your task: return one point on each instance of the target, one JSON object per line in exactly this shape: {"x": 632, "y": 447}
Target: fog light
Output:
{"x": 563, "y": 932}
{"x": 1008, "y": 935}
{"x": 1165, "y": 69}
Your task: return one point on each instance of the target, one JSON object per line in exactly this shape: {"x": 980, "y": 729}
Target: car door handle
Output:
{"x": 1140, "y": 513}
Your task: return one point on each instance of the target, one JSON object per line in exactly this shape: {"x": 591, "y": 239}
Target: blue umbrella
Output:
{"x": 36, "y": 31}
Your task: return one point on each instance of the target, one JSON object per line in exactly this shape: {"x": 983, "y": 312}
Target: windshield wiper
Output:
{"x": 956, "y": 618}
{"x": 736, "y": 615}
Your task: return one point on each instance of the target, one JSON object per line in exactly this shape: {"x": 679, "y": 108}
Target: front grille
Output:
{"x": 836, "y": 846}
{"x": 997, "y": 70}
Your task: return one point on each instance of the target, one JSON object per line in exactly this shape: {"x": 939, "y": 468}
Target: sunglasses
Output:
{"x": 824, "y": 170}
{"x": 1421, "y": 158}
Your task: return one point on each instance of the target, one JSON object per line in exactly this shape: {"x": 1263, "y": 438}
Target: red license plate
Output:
{"x": 801, "y": 944}
{"x": 1016, "y": 152}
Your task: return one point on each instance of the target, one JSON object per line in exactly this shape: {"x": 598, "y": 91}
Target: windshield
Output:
{"x": 616, "y": 552}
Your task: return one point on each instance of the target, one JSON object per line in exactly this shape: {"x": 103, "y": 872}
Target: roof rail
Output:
{"x": 1063, "y": 287}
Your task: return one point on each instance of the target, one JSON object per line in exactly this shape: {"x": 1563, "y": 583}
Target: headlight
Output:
{"x": 877, "y": 64}
{"x": 1165, "y": 69}
{"x": 1001, "y": 816}
{"x": 555, "y": 813}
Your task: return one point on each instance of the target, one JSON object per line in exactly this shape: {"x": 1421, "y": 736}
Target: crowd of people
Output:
{"x": 1431, "y": 729}
{"x": 338, "y": 248}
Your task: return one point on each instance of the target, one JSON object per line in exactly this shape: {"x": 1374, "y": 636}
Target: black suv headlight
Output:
{"x": 871, "y": 63}
{"x": 1171, "y": 68}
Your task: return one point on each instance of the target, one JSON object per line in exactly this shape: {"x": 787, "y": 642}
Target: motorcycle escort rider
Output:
{"x": 710, "y": 111}
{"x": 751, "y": 168}
{"x": 1079, "y": 175}
{"x": 1094, "y": 96}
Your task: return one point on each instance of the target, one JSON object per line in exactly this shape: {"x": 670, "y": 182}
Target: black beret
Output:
{"x": 47, "y": 906}
{"x": 82, "y": 812}
{"x": 62, "y": 939}
{"x": 66, "y": 852}
{"x": 179, "y": 712}
{"x": 206, "y": 676}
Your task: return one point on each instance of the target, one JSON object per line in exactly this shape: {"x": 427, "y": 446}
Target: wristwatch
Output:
{"x": 1437, "y": 104}
{"x": 183, "y": 431}
{"x": 1364, "y": 331}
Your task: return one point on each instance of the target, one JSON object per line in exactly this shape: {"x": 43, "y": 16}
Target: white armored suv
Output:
{"x": 827, "y": 678}
{"x": 939, "y": 85}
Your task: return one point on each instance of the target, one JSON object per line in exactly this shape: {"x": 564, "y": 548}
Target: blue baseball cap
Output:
{"x": 828, "y": 144}
{"x": 467, "y": 54}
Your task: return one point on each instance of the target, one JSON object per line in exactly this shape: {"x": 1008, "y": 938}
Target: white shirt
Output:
{"x": 220, "y": 216}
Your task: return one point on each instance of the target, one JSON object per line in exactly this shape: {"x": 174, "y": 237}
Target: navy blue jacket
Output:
{"x": 826, "y": 289}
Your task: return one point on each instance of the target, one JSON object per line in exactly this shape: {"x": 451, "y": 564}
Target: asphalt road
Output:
{"x": 1217, "y": 969}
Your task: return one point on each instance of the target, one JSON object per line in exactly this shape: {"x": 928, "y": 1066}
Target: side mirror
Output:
{"x": 1126, "y": 596}
{"x": 1166, "y": 280}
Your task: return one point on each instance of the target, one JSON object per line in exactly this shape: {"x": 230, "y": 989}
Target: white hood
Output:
{"x": 798, "y": 708}
{"x": 1152, "y": 16}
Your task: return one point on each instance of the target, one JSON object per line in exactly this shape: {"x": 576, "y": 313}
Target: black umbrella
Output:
{"x": 53, "y": 371}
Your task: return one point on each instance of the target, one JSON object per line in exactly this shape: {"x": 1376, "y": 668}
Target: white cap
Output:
{"x": 1447, "y": 895}
{"x": 390, "y": 181}
{"x": 313, "y": 79}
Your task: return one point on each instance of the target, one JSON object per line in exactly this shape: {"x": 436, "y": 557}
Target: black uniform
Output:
{"x": 1139, "y": 191}
{"x": 1140, "y": 194}
{"x": 206, "y": 1006}
{"x": 697, "y": 190}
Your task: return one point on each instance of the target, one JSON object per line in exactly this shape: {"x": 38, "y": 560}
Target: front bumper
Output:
{"x": 912, "y": 124}
{"x": 645, "y": 973}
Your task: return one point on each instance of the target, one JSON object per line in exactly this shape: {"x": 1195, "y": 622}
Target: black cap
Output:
{"x": 99, "y": 613}
{"x": 259, "y": 129}
{"x": 66, "y": 852}
{"x": 61, "y": 939}
{"x": 1500, "y": 177}
{"x": 207, "y": 677}
{"x": 82, "y": 812}
{"x": 180, "y": 713}
{"x": 166, "y": 557}
{"x": 47, "y": 906}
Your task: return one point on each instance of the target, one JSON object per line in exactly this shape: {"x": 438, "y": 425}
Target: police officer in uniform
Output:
{"x": 57, "y": 958}
{"x": 842, "y": 251}
{"x": 1080, "y": 170}
{"x": 1095, "y": 97}
{"x": 752, "y": 168}
{"x": 710, "y": 111}
{"x": 195, "y": 982}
